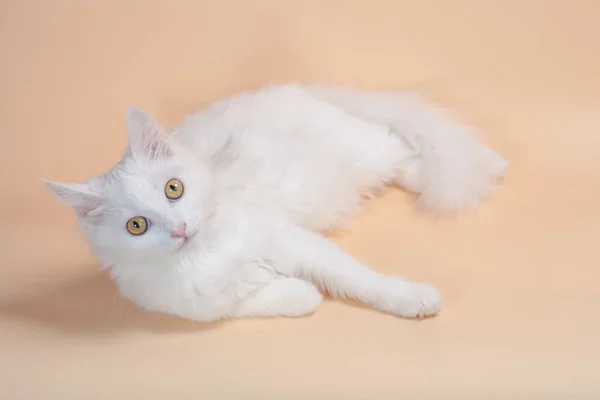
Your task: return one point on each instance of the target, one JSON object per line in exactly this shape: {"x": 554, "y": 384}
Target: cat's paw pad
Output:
{"x": 413, "y": 300}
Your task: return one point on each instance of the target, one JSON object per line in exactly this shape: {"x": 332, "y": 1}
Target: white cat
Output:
{"x": 219, "y": 218}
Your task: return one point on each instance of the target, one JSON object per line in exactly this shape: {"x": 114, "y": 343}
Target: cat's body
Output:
{"x": 262, "y": 174}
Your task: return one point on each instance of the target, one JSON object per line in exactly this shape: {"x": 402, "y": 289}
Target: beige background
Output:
{"x": 519, "y": 275}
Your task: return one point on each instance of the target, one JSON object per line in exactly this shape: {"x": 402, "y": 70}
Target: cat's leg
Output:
{"x": 385, "y": 158}
{"x": 302, "y": 253}
{"x": 282, "y": 297}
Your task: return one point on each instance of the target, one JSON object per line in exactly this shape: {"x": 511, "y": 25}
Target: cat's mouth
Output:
{"x": 185, "y": 241}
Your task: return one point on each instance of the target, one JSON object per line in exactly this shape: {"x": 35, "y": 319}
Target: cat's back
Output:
{"x": 252, "y": 122}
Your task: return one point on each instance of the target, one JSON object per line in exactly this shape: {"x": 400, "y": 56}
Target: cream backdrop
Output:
{"x": 519, "y": 275}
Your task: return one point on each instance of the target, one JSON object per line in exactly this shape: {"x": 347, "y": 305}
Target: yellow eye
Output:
{"x": 174, "y": 189}
{"x": 137, "y": 225}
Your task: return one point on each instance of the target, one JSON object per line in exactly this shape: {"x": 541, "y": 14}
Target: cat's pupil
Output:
{"x": 136, "y": 225}
{"x": 173, "y": 187}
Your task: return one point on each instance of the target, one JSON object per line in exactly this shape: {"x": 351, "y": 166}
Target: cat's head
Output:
{"x": 151, "y": 203}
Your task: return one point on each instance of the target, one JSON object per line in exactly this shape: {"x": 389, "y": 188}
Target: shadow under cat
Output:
{"x": 92, "y": 306}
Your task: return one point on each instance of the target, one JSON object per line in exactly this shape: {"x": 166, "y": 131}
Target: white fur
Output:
{"x": 263, "y": 173}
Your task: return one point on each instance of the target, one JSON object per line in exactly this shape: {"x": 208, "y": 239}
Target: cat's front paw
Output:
{"x": 411, "y": 300}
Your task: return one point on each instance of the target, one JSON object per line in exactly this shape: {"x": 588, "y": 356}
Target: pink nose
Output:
{"x": 179, "y": 232}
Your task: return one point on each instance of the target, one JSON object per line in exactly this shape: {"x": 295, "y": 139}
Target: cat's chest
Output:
{"x": 200, "y": 273}
{"x": 165, "y": 283}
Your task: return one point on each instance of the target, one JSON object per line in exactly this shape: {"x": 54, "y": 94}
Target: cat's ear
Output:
{"x": 147, "y": 140}
{"x": 78, "y": 196}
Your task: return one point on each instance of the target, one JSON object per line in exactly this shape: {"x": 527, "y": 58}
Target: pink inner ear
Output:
{"x": 95, "y": 216}
{"x": 90, "y": 209}
{"x": 147, "y": 140}
{"x": 158, "y": 149}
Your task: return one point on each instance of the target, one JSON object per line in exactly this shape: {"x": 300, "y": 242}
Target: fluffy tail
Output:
{"x": 454, "y": 171}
